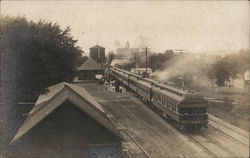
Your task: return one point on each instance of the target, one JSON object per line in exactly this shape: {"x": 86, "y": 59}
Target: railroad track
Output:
{"x": 227, "y": 129}
{"x": 221, "y": 139}
{"x": 227, "y": 125}
{"x": 244, "y": 143}
{"x": 132, "y": 138}
{"x": 226, "y": 148}
{"x": 214, "y": 148}
{"x": 227, "y": 142}
{"x": 209, "y": 151}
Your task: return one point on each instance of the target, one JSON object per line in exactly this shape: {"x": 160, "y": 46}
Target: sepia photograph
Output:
{"x": 124, "y": 79}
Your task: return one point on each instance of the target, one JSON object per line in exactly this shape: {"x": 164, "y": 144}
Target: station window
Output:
{"x": 158, "y": 98}
{"x": 173, "y": 107}
{"x": 163, "y": 100}
{"x": 168, "y": 104}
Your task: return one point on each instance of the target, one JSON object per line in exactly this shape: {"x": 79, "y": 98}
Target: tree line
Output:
{"x": 35, "y": 55}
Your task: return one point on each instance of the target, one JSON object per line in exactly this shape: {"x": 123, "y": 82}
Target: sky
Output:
{"x": 196, "y": 26}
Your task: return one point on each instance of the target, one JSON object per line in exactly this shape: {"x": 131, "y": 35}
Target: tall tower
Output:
{"x": 98, "y": 53}
{"x": 127, "y": 45}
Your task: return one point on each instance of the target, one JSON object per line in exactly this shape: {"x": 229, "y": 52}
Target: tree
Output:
{"x": 80, "y": 59}
{"x": 160, "y": 61}
{"x": 229, "y": 66}
{"x": 221, "y": 71}
{"x": 35, "y": 56}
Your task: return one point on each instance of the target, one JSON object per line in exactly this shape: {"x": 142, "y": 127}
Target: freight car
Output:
{"x": 187, "y": 109}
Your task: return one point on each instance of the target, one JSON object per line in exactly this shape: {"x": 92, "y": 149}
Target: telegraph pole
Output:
{"x": 146, "y": 61}
{"x": 134, "y": 62}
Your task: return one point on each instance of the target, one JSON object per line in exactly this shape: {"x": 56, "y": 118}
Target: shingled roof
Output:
{"x": 90, "y": 64}
{"x": 57, "y": 95}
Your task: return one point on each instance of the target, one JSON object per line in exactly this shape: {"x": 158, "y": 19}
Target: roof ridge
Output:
{"x": 99, "y": 107}
{"x": 90, "y": 64}
{"x": 57, "y": 99}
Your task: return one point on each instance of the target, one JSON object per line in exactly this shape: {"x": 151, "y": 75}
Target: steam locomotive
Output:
{"x": 186, "y": 109}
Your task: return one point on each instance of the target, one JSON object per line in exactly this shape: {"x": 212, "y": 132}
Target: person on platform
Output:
{"x": 120, "y": 89}
{"x": 106, "y": 85}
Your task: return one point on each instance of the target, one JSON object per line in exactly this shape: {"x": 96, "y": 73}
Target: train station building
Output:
{"x": 90, "y": 70}
{"x": 93, "y": 68}
{"x": 67, "y": 122}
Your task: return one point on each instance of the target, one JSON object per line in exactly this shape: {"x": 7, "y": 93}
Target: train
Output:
{"x": 187, "y": 109}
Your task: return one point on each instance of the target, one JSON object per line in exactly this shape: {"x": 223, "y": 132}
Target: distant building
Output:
{"x": 67, "y": 122}
{"x": 140, "y": 53}
{"x": 141, "y": 71}
{"x": 90, "y": 70}
{"x": 240, "y": 81}
{"x": 247, "y": 75}
{"x": 98, "y": 54}
{"x": 124, "y": 53}
{"x": 180, "y": 51}
{"x": 132, "y": 53}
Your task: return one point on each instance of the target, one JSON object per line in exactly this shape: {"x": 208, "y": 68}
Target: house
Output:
{"x": 90, "y": 70}
{"x": 67, "y": 122}
{"x": 247, "y": 75}
{"x": 240, "y": 81}
{"x": 247, "y": 78}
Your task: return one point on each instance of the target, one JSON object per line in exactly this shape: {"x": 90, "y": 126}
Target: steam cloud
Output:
{"x": 120, "y": 62}
{"x": 186, "y": 65}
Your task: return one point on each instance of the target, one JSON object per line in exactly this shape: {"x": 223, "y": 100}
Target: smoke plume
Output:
{"x": 121, "y": 62}
{"x": 188, "y": 68}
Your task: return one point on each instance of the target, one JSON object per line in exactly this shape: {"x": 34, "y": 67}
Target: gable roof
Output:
{"x": 58, "y": 94}
{"x": 96, "y": 46}
{"x": 90, "y": 64}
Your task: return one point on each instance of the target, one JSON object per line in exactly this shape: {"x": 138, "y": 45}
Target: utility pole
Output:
{"x": 135, "y": 62}
{"x": 146, "y": 61}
